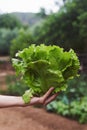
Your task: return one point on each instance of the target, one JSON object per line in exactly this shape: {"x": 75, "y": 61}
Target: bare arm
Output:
{"x": 11, "y": 101}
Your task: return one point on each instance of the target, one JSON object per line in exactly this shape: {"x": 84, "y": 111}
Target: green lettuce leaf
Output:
{"x": 42, "y": 67}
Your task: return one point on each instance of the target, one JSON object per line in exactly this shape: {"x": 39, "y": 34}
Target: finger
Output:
{"x": 50, "y": 99}
{"x": 46, "y": 95}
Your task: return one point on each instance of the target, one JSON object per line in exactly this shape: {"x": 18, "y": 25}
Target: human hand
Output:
{"x": 45, "y": 99}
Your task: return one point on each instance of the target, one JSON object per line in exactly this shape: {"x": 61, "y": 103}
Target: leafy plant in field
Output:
{"x": 15, "y": 86}
{"x": 44, "y": 66}
{"x": 79, "y": 110}
{"x": 76, "y": 109}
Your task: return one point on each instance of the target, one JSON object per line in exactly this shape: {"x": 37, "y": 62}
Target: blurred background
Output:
{"x": 52, "y": 22}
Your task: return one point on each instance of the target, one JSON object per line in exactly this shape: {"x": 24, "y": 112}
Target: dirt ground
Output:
{"x": 32, "y": 118}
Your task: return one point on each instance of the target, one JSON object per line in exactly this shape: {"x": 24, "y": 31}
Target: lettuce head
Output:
{"x": 42, "y": 67}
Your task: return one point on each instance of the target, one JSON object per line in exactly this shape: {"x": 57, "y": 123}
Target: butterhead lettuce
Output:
{"x": 42, "y": 67}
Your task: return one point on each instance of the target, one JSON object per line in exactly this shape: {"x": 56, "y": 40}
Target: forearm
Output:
{"x": 12, "y": 101}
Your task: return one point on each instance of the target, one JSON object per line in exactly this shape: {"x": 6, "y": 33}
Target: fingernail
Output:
{"x": 52, "y": 88}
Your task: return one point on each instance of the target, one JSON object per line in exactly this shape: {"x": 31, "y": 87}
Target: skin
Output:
{"x": 12, "y": 101}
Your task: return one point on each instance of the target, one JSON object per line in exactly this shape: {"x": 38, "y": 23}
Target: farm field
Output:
{"x": 31, "y": 118}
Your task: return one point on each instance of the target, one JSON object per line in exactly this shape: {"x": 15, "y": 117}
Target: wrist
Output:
{"x": 20, "y": 102}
